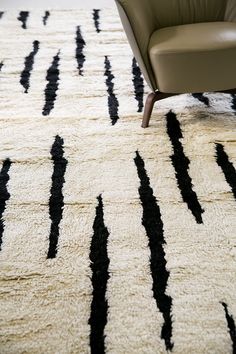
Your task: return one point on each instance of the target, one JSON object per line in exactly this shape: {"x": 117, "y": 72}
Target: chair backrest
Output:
{"x": 230, "y": 13}
{"x": 178, "y": 12}
{"x": 141, "y": 18}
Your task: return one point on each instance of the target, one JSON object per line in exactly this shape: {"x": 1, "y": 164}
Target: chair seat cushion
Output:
{"x": 194, "y": 58}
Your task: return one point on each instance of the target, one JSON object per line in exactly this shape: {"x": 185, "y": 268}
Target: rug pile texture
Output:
{"x": 113, "y": 238}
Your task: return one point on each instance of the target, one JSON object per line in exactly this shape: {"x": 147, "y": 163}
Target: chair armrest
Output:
{"x": 139, "y": 24}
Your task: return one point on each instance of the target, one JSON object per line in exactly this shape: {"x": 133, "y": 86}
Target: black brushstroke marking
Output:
{"x": 29, "y": 62}
{"x": 153, "y": 225}
{"x": 56, "y": 202}
{"x": 233, "y": 102}
{"x": 79, "y": 55}
{"x": 138, "y": 84}
{"x": 231, "y": 326}
{"x": 100, "y": 275}
{"x": 202, "y": 98}
{"x": 52, "y": 85}
{"x": 181, "y": 165}
{"x": 1, "y": 14}
{"x": 45, "y": 17}
{"x": 1, "y": 65}
{"x": 113, "y": 103}
{"x": 96, "y": 19}
{"x": 227, "y": 167}
{"x": 4, "y": 194}
{"x": 23, "y": 16}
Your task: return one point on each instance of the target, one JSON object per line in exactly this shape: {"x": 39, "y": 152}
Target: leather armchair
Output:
{"x": 182, "y": 46}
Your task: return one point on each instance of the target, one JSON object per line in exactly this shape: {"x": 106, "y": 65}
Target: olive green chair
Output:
{"x": 182, "y": 46}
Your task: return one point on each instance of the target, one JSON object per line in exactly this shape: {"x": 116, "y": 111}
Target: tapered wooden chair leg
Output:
{"x": 151, "y": 99}
{"x": 157, "y": 96}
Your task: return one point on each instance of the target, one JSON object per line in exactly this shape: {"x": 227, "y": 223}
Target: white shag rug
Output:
{"x": 114, "y": 238}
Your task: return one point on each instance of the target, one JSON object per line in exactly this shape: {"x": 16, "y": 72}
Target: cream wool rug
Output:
{"x": 113, "y": 238}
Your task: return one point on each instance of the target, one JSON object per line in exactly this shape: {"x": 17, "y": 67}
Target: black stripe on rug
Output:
{"x": 23, "y": 16}
{"x": 1, "y": 14}
{"x": 113, "y": 103}
{"x": 29, "y": 62}
{"x": 45, "y": 17}
{"x": 79, "y": 55}
{"x": 100, "y": 275}
{"x": 227, "y": 167}
{"x": 56, "y": 201}
{"x": 1, "y": 65}
{"x": 52, "y": 85}
{"x": 4, "y": 194}
{"x": 231, "y": 326}
{"x": 200, "y": 97}
{"x": 138, "y": 84}
{"x": 96, "y": 19}
{"x": 233, "y": 102}
{"x": 153, "y": 225}
{"x": 181, "y": 166}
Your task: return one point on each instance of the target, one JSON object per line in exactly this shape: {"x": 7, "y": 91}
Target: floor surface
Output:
{"x": 65, "y": 4}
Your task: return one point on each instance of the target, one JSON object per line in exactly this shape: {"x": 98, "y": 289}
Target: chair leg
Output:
{"x": 151, "y": 99}
{"x": 157, "y": 96}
